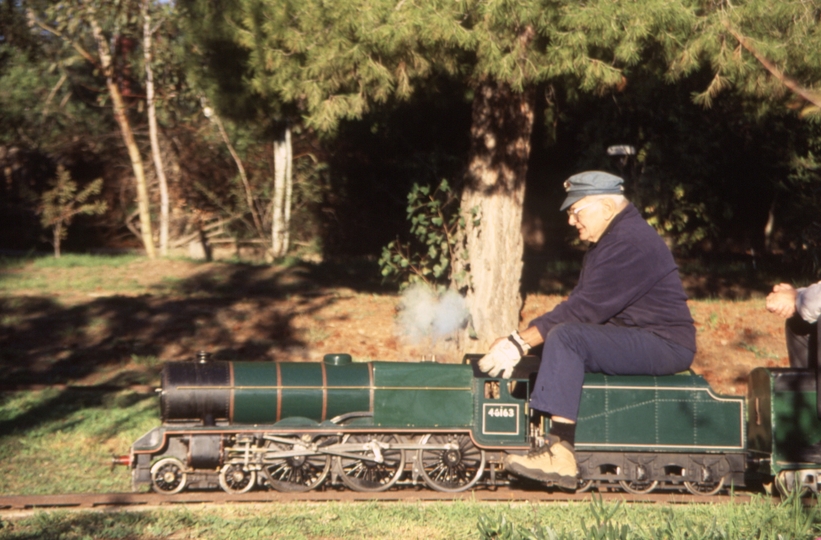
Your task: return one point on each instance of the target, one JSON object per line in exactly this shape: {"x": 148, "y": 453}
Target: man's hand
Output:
{"x": 782, "y": 300}
{"x": 502, "y": 358}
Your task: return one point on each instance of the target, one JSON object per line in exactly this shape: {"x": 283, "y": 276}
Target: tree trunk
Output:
{"x": 491, "y": 202}
{"x": 283, "y": 188}
{"x": 289, "y": 191}
{"x": 212, "y": 115}
{"x": 152, "y": 130}
{"x": 58, "y": 233}
{"x": 128, "y": 137}
{"x": 768, "y": 229}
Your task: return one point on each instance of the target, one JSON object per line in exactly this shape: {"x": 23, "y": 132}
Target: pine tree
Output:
{"x": 61, "y": 203}
{"x": 762, "y": 49}
{"x": 337, "y": 63}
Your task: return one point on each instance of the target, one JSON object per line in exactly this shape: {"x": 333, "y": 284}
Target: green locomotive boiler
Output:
{"x": 372, "y": 426}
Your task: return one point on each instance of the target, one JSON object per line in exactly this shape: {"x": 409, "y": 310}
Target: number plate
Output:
{"x": 500, "y": 419}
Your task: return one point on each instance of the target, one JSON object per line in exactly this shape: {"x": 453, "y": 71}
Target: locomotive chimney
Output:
{"x": 203, "y": 357}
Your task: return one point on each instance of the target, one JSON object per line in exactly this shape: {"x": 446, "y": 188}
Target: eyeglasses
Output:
{"x": 574, "y": 212}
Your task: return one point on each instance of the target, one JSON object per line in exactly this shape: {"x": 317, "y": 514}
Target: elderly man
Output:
{"x": 801, "y": 307}
{"x": 628, "y": 315}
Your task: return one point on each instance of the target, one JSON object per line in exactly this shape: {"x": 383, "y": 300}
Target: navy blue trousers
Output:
{"x": 571, "y": 349}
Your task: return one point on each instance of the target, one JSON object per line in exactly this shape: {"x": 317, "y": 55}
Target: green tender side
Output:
{"x": 676, "y": 413}
{"x": 425, "y": 395}
{"x": 300, "y": 392}
{"x": 783, "y": 418}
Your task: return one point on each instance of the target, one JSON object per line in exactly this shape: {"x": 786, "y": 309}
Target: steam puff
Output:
{"x": 425, "y": 315}
{"x": 450, "y": 315}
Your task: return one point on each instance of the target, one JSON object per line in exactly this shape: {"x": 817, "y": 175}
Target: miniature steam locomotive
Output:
{"x": 371, "y": 426}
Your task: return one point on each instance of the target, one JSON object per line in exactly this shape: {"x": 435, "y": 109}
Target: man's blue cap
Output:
{"x": 587, "y": 183}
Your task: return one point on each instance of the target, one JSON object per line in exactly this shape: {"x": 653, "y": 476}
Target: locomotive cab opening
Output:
{"x": 503, "y": 414}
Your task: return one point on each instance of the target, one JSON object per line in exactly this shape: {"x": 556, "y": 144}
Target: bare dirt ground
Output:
{"x": 118, "y": 325}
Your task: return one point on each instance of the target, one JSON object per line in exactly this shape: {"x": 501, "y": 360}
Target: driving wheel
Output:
{"x": 452, "y": 463}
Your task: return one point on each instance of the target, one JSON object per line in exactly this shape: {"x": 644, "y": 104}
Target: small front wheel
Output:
{"x": 168, "y": 476}
{"x": 234, "y": 478}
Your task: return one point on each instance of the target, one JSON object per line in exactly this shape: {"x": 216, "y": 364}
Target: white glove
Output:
{"x": 504, "y": 356}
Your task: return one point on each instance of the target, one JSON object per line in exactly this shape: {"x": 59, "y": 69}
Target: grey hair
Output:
{"x": 619, "y": 200}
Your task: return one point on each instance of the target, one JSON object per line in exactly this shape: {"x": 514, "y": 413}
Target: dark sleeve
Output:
{"x": 616, "y": 276}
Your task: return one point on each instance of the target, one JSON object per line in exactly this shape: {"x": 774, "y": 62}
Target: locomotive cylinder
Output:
{"x": 265, "y": 392}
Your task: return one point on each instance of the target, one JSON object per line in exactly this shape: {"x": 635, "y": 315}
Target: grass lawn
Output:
{"x": 442, "y": 520}
{"x": 109, "y": 322}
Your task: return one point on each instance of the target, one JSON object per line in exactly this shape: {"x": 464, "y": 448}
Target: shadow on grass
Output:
{"x": 234, "y": 311}
{"x": 67, "y": 401}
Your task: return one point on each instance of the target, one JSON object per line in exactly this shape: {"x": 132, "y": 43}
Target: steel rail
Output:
{"x": 504, "y": 494}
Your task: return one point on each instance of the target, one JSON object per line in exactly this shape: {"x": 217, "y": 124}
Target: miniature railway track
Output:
{"x": 503, "y": 494}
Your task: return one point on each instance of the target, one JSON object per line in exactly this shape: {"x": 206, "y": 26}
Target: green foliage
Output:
{"x": 799, "y": 200}
{"x": 62, "y": 202}
{"x": 94, "y": 262}
{"x": 334, "y": 62}
{"x": 311, "y": 187}
{"x": 22, "y": 91}
{"x": 679, "y": 216}
{"x": 35, "y": 106}
{"x": 760, "y": 519}
{"x": 738, "y": 38}
{"x": 78, "y": 273}
{"x": 338, "y": 63}
{"x": 703, "y": 178}
{"x": 454, "y": 520}
{"x": 263, "y": 63}
{"x": 436, "y": 228}
{"x": 146, "y": 361}
{"x": 502, "y": 529}
{"x": 604, "y": 527}
{"x": 799, "y": 519}
{"x": 761, "y": 353}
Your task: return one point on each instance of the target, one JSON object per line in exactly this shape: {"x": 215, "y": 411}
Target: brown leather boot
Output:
{"x": 553, "y": 463}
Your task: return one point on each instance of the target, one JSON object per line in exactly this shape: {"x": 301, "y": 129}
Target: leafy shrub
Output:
{"x": 436, "y": 230}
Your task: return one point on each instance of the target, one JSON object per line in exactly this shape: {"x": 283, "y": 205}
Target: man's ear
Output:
{"x": 609, "y": 208}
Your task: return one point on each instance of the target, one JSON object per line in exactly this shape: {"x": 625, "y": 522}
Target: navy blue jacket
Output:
{"x": 628, "y": 278}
